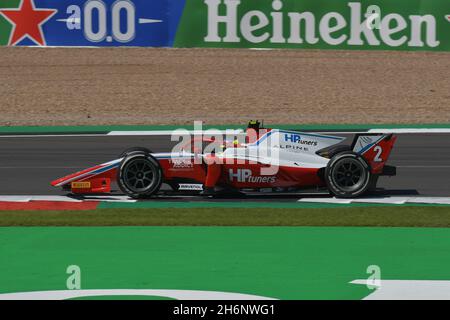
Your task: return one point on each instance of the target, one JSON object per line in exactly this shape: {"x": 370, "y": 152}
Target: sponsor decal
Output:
{"x": 182, "y": 163}
{"x": 351, "y": 24}
{"x": 246, "y": 175}
{"x": 296, "y": 138}
{"x": 291, "y": 148}
{"x": 81, "y": 185}
{"x": 365, "y": 142}
{"x": 190, "y": 186}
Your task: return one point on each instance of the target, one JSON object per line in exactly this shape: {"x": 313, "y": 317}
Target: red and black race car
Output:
{"x": 272, "y": 161}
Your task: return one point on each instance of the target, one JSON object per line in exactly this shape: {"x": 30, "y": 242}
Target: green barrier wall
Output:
{"x": 314, "y": 24}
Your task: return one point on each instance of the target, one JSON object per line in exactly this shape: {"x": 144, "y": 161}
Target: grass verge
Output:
{"x": 413, "y": 216}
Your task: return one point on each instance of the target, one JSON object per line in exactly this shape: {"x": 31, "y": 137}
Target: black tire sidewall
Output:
{"x": 335, "y": 190}
{"x": 159, "y": 176}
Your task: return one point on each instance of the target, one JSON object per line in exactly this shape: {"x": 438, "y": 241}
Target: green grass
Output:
{"x": 405, "y": 216}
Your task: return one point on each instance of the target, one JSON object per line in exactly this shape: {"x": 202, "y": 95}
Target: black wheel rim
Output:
{"x": 139, "y": 175}
{"x": 349, "y": 175}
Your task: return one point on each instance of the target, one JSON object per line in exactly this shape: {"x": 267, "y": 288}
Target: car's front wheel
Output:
{"x": 347, "y": 175}
{"x": 139, "y": 175}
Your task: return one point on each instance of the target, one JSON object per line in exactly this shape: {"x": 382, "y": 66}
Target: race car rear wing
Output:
{"x": 376, "y": 149}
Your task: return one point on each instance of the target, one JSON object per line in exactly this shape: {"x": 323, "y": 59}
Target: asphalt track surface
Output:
{"x": 29, "y": 163}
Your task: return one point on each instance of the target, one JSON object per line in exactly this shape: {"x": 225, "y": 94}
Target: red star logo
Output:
{"x": 27, "y": 21}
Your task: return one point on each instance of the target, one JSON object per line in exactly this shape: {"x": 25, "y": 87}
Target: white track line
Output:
{"x": 429, "y": 200}
{"x": 389, "y": 200}
{"x": 408, "y": 289}
{"x": 381, "y": 130}
{"x": 370, "y": 200}
{"x": 230, "y": 131}
{"x": 423, "y": 167}
{"x": 381, "y": 200}
{"x": 411, "y": 130}
{"x": 174, "y": 132}
{"x": 130, "y": 133}
{"x": 326, "y": 200}
{"x": 37, "y": 198}
{"x": 51, "y": 135}
{"x": 174, "y": 294}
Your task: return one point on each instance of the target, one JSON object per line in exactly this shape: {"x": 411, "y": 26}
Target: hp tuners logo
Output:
{"x": 296, "y": 138}
{"x": 246, "y": 175}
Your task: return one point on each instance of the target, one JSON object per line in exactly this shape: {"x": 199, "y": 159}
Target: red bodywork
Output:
{"x": 245, "y": 175}
{"x": 377, "y": 156}
{"x": 193, "y": 170}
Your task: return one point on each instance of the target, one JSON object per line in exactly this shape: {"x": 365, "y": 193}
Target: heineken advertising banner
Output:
{"x": 321, "y": 24}
{"x": 318, "y": 24}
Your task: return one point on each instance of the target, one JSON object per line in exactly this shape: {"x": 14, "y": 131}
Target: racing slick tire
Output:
{"x": 330, "y": 152}
{"x": 373, "y": 183}
{"x": 133, "y": 150}
{"x": 347, "y": 175}
{"x": 139, "y": 175}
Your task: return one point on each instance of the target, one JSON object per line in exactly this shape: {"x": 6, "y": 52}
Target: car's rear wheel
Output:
{"x": 330, "y": 152}
{"x": 134, "y": 150}
{"x": 347, "y": 175}
{"x": 139, "y": 175}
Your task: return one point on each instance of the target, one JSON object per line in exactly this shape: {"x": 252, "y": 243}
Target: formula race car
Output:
{"x": 268, "y": 160}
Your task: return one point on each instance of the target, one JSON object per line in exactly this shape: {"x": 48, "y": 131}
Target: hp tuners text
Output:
{"x": 246, "y": 175}
{"x": 296, "y": 138}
